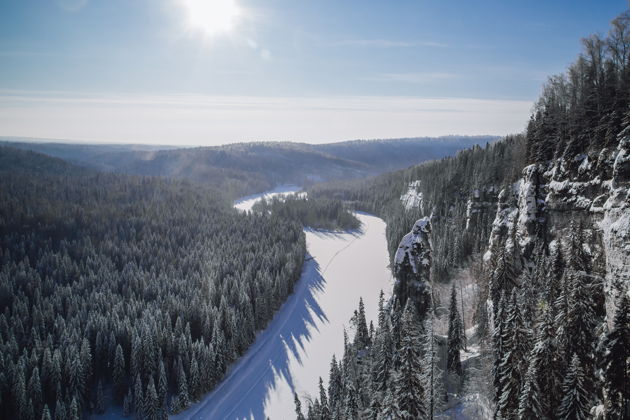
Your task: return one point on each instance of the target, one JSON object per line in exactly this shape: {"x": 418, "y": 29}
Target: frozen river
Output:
{"x": 296, "y": 348}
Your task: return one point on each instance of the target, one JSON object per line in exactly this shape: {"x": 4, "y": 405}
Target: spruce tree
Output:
{"x": 362, "y": 336}
{"x": 616, "y": 369}
{"x": 46, "y": 413}
{"x": 514, "y": 362}
{"x": 162, "y": 384}
{"x": 575, "y": 400}
{"x": 298, "y": 407}
{"x": 408, "y": 382}
{"x": 183, "y": 397}
{"x": 151, "y": 403}
{"x": 547, "y": 366}
{"x": 580, "y": 327}
{"x": 455, "y": 333}
{"x": 74, "y": 412}
{"x": 325, "y": 410}
{"x": 100, "y": 399}
{"x": 138, "y": 396}
{"x": 119, "y": 374}
{"x": 530, "y": 406}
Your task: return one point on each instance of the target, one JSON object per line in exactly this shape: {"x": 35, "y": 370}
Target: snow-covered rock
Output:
{"x": 412, "y": 266}
{"x": 412, "y": 198}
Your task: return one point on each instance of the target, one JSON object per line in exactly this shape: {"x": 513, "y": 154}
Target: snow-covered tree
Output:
{"x": 410, "y": 393}
{"x": 615, "y": 363}
{"x": 513, "y": 364}
{"x": 575, "y": 400}
{"x": 455, "y": 336}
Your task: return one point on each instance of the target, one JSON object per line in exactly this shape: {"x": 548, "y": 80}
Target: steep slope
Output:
{"x": 541, "y": 222}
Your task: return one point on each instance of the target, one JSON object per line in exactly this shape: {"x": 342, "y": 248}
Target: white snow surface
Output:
{"x": 296, "y": 348}
{"x": 246, "y": 203}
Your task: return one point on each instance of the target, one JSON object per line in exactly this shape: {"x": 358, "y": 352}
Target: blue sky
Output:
{"x": 136, "y": 70}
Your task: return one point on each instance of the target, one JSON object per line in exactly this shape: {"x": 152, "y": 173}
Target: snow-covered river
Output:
{"x": 297, "y": 346}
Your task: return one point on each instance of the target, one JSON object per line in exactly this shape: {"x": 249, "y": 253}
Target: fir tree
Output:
{"x": 119, "y": 375}
{"x": 151, "y": 403}
{"x": 408, "y": 382}
{"x": 298, "y": 407}
{"x": 138, "y": 396}
{"x": 547, "y": 366}
{"x": 100, "y": 399}
{"x": 455, "y": 335}
{"x": 580, "y": 327}
{"x": 616, "y": 369}
{"x": 183, "y": 397}
{"x": 575, "y": 401}
{"x": 128, "y": 403}
{"x": 514, "y": 362}
{"x": 362, "y": 336}
{"x": 46, "y": 413}
{"x": 325, "y": 410}
{"x": 529, "y": 406}
{"x": 74, "y": 412}
{"x": 162, "y": 384}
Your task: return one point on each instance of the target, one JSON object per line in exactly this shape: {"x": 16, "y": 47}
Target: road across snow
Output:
{"x": 296, "y": 348}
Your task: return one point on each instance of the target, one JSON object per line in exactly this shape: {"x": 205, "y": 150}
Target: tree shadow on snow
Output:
{"x": 243, "y": 393}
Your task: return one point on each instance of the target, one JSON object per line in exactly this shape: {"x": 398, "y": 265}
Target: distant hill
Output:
{"x": 252, "y": 167}
{"x": 14, "y": 160}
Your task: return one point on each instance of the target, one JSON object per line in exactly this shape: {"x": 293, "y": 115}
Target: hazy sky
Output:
{"x": 218, "y": 71}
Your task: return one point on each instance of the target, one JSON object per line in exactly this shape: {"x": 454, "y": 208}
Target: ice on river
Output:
{"x": 296, "y": 348}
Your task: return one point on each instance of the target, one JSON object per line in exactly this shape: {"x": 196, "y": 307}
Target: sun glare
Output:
{"x": 212, "y": 17}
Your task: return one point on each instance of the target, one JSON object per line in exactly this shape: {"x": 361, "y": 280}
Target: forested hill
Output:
{"x": 128, "y": 290}
{"x": 14, "y": 160}
{"x": 539, "y": 224}
{"x": 240, "y": 169}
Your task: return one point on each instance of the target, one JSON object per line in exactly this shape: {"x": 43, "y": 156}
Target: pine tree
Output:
{"x": 455, "y": 333}
{"x": 408, "y": 382}
{"x": 574, "y": 405}
{"x": 616, "y": 369}
{"x": 60, "y": 410}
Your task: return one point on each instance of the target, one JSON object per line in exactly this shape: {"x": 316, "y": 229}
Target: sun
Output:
{"x": 212, "y": 17}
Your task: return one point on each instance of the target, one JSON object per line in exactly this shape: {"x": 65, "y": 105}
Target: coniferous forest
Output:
{"x": 131, "y": 285}
{"x": 530, "y": 216}
{"x": 140, "y": 289}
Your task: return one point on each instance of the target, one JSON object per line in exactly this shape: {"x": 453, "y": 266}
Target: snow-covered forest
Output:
{"x": 489, "y": 280}
{"x": 540, "y": 224}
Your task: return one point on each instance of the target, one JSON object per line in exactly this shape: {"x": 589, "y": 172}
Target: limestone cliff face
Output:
{"x": 591, "y": 190}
